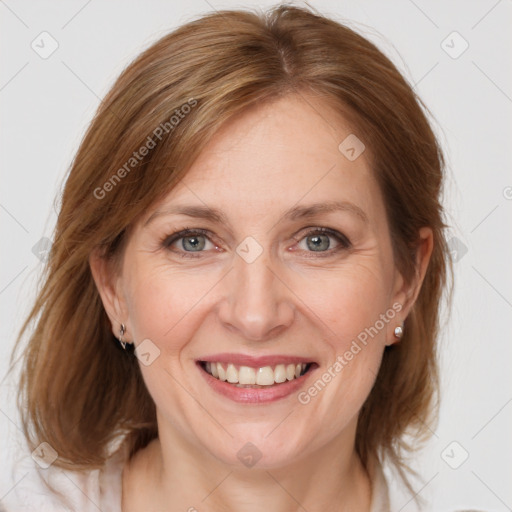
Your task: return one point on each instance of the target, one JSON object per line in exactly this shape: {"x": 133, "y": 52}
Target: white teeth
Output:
{"x": 232, "y": 374}
{"x": 221, "y": 372}
{"x": 246, "y": 375}
{"x": 264, "y": 376}
{"x": 280, "y": 373}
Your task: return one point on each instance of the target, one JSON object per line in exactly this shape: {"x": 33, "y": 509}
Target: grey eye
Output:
{"x": 324, "y": 240}
{"x": 193, "y": 243}
{"x": 318, "y": 242}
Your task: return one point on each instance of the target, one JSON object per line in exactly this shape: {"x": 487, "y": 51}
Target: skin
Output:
{"x": 292, "y": 300}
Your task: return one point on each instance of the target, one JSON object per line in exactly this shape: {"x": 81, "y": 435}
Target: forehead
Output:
{"x": 278, "y": 155}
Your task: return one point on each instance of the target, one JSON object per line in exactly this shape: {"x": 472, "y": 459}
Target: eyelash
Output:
{"x": 189, "y": 232}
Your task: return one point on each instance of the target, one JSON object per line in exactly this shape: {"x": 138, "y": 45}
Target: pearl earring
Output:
{"x": 399, "y": 332}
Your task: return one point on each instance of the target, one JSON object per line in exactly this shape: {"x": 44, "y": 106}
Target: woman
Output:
{"x": 241, "y": 303}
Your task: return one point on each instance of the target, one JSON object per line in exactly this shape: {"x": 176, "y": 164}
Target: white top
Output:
{"x": 102, "y": 489}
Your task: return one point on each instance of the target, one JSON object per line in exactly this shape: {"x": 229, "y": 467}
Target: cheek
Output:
{"x": 353, "y": 311}
{"x": 164, "y": 307}
{"x": 160, "y": 301}
{"x": 348, "y": 302}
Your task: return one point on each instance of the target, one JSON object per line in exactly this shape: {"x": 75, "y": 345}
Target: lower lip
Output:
{"x": 255, "y": 395}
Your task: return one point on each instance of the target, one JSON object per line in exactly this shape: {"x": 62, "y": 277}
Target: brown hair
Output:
{"x": 78, "y": 391}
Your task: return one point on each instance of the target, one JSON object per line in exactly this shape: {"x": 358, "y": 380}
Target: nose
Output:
{"x": 256, "y": 304}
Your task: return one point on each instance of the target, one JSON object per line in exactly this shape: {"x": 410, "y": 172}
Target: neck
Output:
{"x": 173, "y": 475}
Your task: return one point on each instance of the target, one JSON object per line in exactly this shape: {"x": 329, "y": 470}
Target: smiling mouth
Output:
{"x": 250, "y": 377}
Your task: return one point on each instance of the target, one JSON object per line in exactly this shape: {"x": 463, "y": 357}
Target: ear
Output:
{"x": 108, "y": 282}
{"x": 407, "y": 293}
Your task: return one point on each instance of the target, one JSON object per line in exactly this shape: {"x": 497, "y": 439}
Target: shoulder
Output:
{"x": 39, "y": 487}
{"x": 387, "y": 498}
{"x": 380, "y": 490}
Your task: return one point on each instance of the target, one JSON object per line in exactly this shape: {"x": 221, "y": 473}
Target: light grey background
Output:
{"x": 48, "y": 102}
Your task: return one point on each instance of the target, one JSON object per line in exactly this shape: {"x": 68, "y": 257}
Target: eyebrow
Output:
{"x": 294, "y": 213}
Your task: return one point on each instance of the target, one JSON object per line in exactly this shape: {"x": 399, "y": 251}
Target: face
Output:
{"x": 262, "y": 291}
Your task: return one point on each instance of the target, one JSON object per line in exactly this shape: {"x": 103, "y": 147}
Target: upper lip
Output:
{"x": 255, "y": 362}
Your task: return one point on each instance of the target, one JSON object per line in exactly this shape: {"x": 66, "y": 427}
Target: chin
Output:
{"x": 259, "y": 447}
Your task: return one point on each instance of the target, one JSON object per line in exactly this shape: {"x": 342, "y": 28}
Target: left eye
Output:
{"x": 320, "y": 240}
